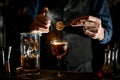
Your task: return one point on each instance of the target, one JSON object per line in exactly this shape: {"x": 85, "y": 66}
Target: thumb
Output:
{"x": 45, "y": 11}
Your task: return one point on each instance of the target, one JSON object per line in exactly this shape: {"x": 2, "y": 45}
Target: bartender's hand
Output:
{"x": 41, "y": 23}
{"x": 91, "y": 25}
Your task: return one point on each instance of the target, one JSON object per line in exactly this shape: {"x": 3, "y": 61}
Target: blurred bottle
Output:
{"x": 2, "y": 61}
{"x": 5, "y": 60}
{"x": 4, "y": 49}
{"x": 106, "y": 72}
{"x": 116, "y": 66}
{"x": 111, "y": 68}
{"x": 2, "y": 44}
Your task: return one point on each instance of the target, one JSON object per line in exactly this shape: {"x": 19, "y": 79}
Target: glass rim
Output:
{"x": 61, "y": 41}
{"x": 30, "y": 33}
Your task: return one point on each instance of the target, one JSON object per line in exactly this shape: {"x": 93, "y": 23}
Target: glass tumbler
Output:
{"x": 30, "y": 53}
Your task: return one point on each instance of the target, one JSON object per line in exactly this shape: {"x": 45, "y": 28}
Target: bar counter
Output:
{"x": 50, "y": 75}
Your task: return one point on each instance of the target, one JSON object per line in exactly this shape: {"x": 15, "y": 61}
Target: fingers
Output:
{"x": 86, "y": 21}
{"x": 91, "y": 25}
{"x": 99, "y": 34}
{"x": 95, "y": 32}
{"x": 76, "y": 22}
{"x": 45, "y": 11}
{"x": 91, "y": 19}
{"x": 41, "y": 22}
{"x": 39, "y": 29}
